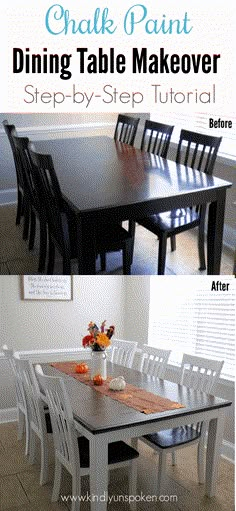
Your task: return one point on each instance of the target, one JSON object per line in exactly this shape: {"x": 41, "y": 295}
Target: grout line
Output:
{"x": 23, "y": 486}
{"x": 2, "y": 447}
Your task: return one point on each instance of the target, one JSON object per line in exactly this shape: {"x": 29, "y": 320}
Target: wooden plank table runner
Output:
{"x": 134, "y": 397}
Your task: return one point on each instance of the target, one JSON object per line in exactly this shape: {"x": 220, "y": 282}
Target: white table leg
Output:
{"x": 98, "y": 448}
{"x": 214, "y": 445}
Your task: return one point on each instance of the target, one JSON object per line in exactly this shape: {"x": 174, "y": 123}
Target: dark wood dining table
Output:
{"x": 103, "y": 420}
{"x": 104, "y": 180}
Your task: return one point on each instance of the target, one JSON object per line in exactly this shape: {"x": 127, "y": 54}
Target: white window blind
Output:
{"x": 187, "y": 317}
{"x": 199, "y": 122}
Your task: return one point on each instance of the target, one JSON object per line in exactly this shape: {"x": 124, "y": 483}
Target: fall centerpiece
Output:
{"x": 98, "y": 339}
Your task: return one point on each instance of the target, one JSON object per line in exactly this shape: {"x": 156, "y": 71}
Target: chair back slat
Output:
{"x": 125, "y": 133}
{"x": 150, "y": 142}
{"x": 194, "y": 156}
{"x": 122, "y": 352}
{"x": 156, "y": 148}
{"x": 156, "y": 138}
{"x": 154, "y": 361}
{"x": 200, "y": 373}
{"x": 126, "y": 129}
{"x": 187, "y": 154}
{"x": 197, "y": 150}
{"x": 210, "y": 155}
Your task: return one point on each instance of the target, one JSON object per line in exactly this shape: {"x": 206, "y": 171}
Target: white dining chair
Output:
{"x": 122, "y": 352}
{"x": 200, "y": 374}
{"x": 153, "y": 361}
{"x": 22, "y": 409}
{"x": 72, "y": 449}
{"x": 39, "y": 418}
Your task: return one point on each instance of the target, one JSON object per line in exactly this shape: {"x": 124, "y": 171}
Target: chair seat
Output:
{"x": 48, "y": 422}
{"x": 109, "y": 238}
{"x": 47, "y": 419}
{"x": 171, "y": 220}
{"x": 117, "y": 452}
{"x": 173, "y": 437}
{"x": 111, "y": 235}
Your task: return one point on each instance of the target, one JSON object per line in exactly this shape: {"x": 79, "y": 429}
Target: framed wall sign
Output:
{"x": 47, "y": 287}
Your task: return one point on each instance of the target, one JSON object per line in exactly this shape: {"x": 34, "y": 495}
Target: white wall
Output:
{"x": 137, "y": 307}
{"x": 31, "y": 325}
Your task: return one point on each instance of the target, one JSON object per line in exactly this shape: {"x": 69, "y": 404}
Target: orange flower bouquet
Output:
{"x": 98, "y": 339}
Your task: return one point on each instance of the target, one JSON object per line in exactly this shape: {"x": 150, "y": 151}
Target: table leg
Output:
{"x": 98, "y": 449}
{"x": 215, "y": 234}
{"x": 214, "y": 446}
{"x": 86, "y": 250}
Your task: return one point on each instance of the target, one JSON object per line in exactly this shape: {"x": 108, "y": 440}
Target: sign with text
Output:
{"x": 47, "y": 287}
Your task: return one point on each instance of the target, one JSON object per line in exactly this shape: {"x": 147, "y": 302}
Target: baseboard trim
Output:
{"x": 8, "y": 196}
{"x": 8, "y": 415}
{"x": 228, "y": 451}
{"x": 229, "y": 238}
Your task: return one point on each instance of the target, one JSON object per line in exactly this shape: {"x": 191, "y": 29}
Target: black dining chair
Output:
{"x": 21, "y": 209}
{"x": 126, "y": 129}
{"x": 62, "y": 222}
{"x": 156, "y": 138}
{"x": 34, "y": 206}
{"x": 199, "y": 152}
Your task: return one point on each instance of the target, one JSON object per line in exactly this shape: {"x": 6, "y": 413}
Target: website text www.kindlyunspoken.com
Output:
{"x": 142, "y": 497}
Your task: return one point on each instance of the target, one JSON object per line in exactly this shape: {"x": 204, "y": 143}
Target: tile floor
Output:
{"x": 15, "y": 257}
{"x": 20, "y": 489}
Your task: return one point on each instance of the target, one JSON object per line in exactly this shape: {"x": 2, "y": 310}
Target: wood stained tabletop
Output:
{"x": 97, "y": 173}
{"x": 101, "y": 413}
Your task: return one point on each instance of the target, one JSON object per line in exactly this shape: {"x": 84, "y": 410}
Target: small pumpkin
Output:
{"x": 81, "y": 368}
{"x": 98, "y": 379}
{"x": 117, "y": 383}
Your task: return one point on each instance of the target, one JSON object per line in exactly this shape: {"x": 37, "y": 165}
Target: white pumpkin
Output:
{"x": 117, "y": 383}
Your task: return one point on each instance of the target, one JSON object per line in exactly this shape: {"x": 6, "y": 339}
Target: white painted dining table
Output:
{"x": 103, "y": 420}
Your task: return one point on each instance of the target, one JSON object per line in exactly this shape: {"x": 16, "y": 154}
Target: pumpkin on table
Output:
{"x": 81, "y": 368}
{"x": 98, "y": 379}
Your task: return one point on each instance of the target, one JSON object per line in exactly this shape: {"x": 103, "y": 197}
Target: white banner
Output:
{"x": 104, "y": 56}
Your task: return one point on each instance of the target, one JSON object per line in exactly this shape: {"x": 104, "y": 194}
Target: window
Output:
{"x": 187, "y": 317}
{"x": 200, "y": 122}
